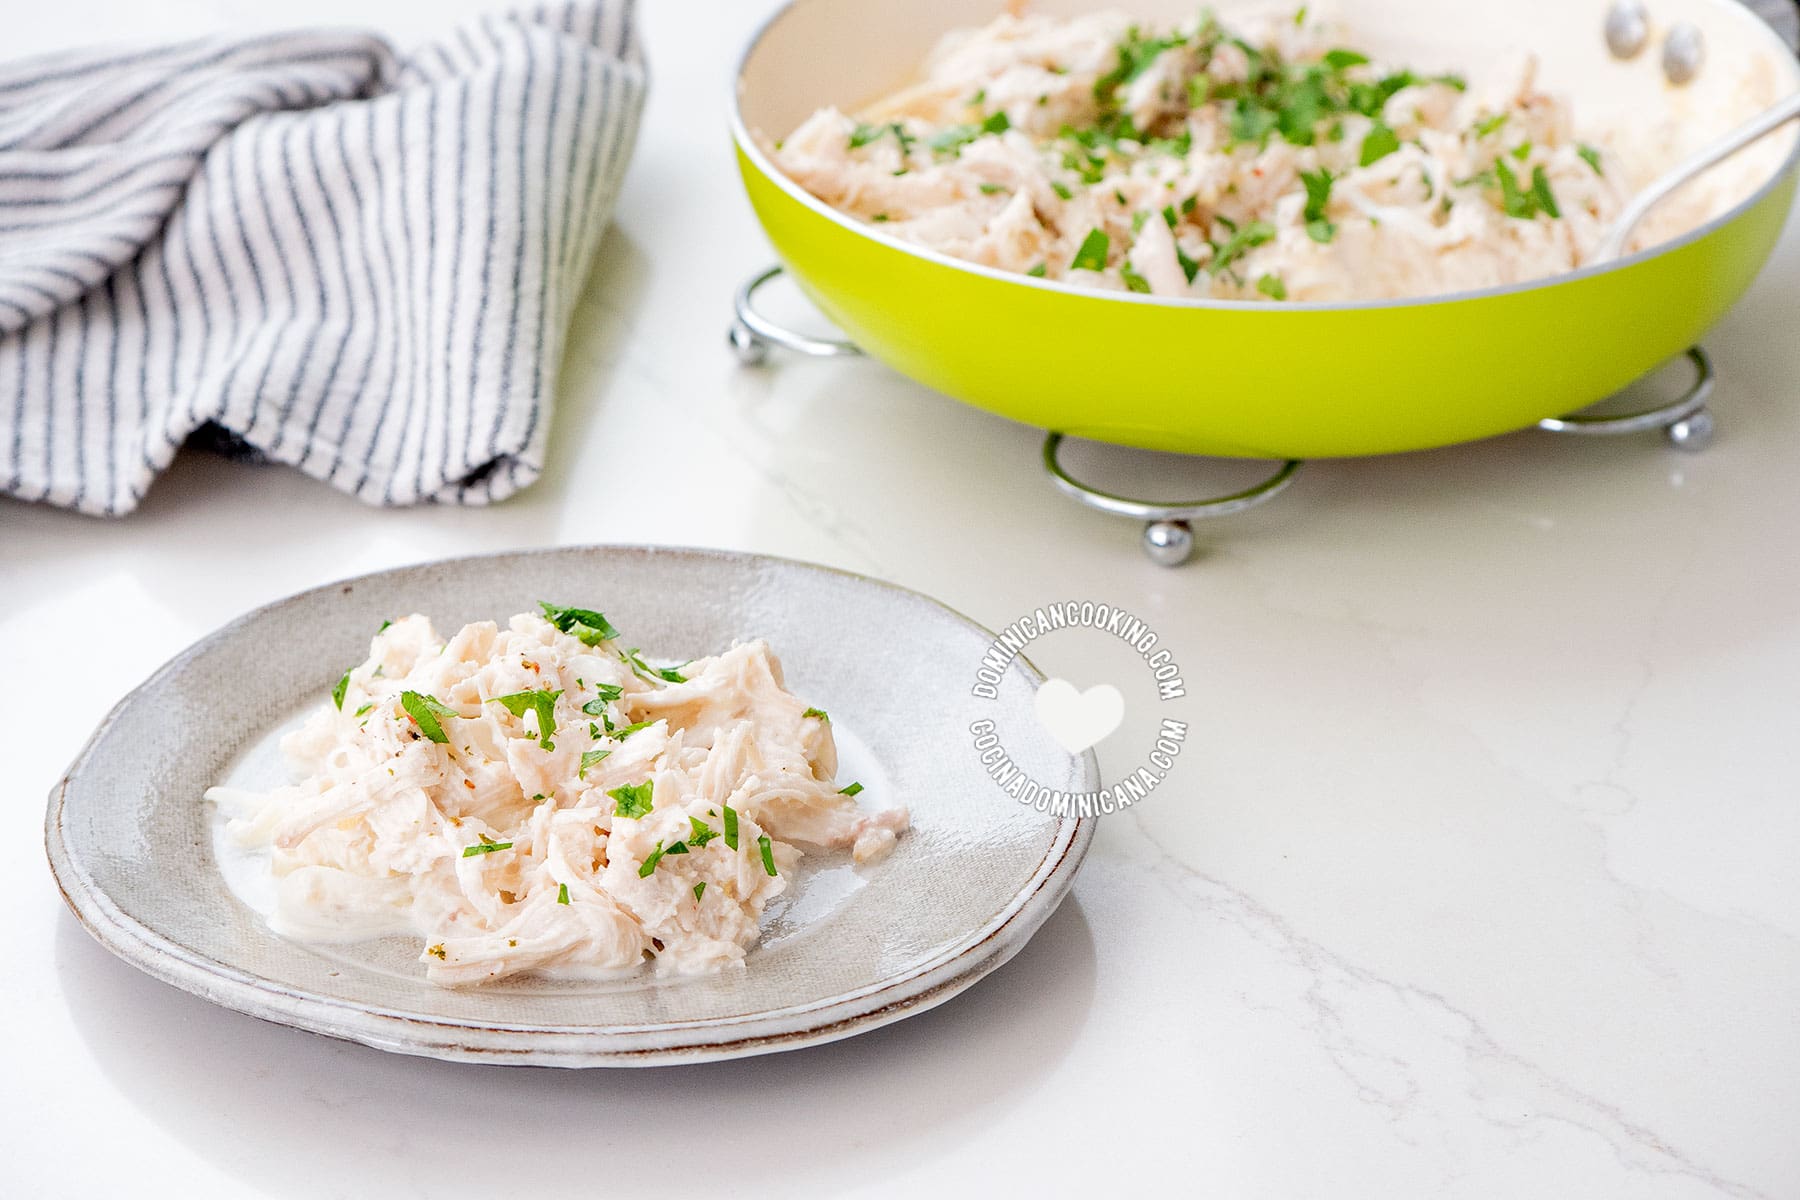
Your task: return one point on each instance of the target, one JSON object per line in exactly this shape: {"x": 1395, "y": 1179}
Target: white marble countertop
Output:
{"x": 1478, "y": 876}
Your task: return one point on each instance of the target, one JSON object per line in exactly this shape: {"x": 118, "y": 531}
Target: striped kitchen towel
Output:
{"x": 358, "y": 264}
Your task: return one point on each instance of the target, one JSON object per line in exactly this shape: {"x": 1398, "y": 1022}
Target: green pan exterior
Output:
{"x": 1268, "y": 380}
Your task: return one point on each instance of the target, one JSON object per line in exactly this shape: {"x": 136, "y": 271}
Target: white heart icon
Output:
{"x": 1075, "y": 719}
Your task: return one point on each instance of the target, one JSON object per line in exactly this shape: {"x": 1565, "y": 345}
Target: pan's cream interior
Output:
{"x": 849, "y": 52}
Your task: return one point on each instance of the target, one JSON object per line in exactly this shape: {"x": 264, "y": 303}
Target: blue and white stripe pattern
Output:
{"x": 360, "y": 265}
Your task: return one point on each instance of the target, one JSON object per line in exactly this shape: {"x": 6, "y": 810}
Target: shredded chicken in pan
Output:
{"x": 540, "y": 798}
{"x": 1272, "y": 162}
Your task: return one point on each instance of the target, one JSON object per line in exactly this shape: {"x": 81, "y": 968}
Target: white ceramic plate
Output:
{"x": 130, "y": 840}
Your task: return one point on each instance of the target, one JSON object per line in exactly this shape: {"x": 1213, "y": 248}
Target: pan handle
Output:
{"x": 1685, "y": 421}
{"x": 752, "y": 333}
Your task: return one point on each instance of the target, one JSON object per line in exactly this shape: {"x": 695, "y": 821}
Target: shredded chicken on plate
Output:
{"x": 541, "y": 798}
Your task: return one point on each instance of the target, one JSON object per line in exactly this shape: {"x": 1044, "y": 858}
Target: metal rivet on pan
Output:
{"x": 1627, "y": 28}
{"x": 1682, "y": 53}
{"x": 1692, "y": 433}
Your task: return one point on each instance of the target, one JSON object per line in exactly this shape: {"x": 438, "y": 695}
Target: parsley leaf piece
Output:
{"x": 1490, "y": 125}
{"x": 1338, "y": 60}
{"x": 383, "y": 629}
{"x": 1189, "y": 266}
{"x": 731, "y": 826}
{"x": 633, "y": 800}
{"x": 676, "y": 848}
{"x": 644, "y": 670}
{"x": 1272, "y": 287}
{"x": 998, "y": 123}
{"x": 589, "y": 626}
{"x": 622, "y": 734}
{"x": 543, "y": 702}
{"x": 700, "y": 889}
{"x": 1133, "y": 281}
{"x": 1039, "y": 271}
{"x": 1061, "y": 189}
{"x": 1321, "y": 231}
{"x": 338, "y": 690}
{"x": 562, "y": 893}
{"x": 1378, "y": 144}
{"x": 768, "y": 853}
{"x": 365, "y": 708}
{"x": 702, "y": 832}
{"x": 1092, "y": 254}
{"x": 590, "y": 758}
{"x": 988, "y": 189}
{"x": 428, "y": 713}
{"x": 819, "y": 713}
{"x": 850, "y": 789}
{"x": 1590, "y": 156}
{"x": 1242, "y": 239}
{"x": 650, "y": 861}
{"x": 597, "y": 706}
{"x": 485, "y": 846}
{"x": 1540, "y": 192}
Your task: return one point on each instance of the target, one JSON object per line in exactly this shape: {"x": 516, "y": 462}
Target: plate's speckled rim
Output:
{"x": 921, "y": 987}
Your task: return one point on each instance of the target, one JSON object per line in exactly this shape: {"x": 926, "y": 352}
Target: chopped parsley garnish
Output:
{"x": 633, "y": 800}
{"x": 676, "y": 848}
{"x": 1490, "y": 125}
{"x": 338, "y": 690}
{"x": 1039, "y": 271}
{"x": 819, "y": 713}
{"x": 543, "y": 702}
{"x": 1092, "y": 254}
{"x": 589, "y": 626}
{"x": 862, "y": 135}
{"x": 700, "y": 889}
{"x": 590, "y": 758}
{"x": 951, "y": 140}
{"x": 383, "y": 629}
{"x": 702, "y": 832}
{"x": 1378, "y": 144}
{"x": 487, "y": 845}
{"x": 1338, "y": 60}
{"x": 850, "y": 789}
{"x": 645, "y": 671}
{"x": 1242, "y": 239}
{"x": 650, "y": 861}
{"x": 562, "y": 893}
{"x": 1318, "y": 197}
{"x": 365, "y": 708}
{"x": 731, "y": 826}
{"x": 622, "y": 734}
{"x": 1524, "y": 203}
{"x": 428, "y": 713}
{"x": 768, "y": 853}
{"x": 880, "y": 218}
{"x": 1590, "y": 156}
{"x": 597, "y": 706}
{"x": 1061, "y": 189}
{"x": 1272, "y": 287}
{"x": 1133, "y": 281}
{"x": 1189, "y": 266}
{"x": 988, "y": 189}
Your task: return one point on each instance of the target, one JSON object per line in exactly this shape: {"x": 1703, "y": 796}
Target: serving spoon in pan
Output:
{"x": 1758, "y": 127}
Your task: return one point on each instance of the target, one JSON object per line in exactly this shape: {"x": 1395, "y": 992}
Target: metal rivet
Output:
{"x": 1683, "y": 52}
{"x": 1693, "y": 433}
{"x": 1168, "y": 543}
{"x": 1627, "y": 28}
{"x": 751, "y": 350}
